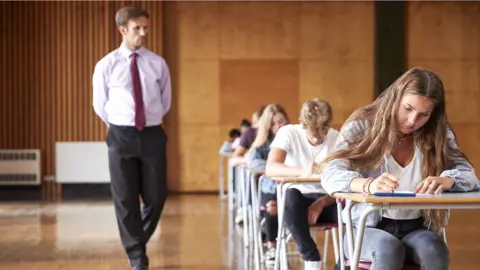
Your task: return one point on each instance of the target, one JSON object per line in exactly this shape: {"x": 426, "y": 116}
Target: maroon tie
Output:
{"x": 137, "y": 94}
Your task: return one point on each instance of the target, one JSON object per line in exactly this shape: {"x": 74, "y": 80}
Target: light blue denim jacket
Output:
{"x": 226, "y": 148}
{"x": 257, "y": 160}
{"x": 336, "y": 176}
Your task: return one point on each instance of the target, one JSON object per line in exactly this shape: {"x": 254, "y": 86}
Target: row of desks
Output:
{"x": 446, "y": 200}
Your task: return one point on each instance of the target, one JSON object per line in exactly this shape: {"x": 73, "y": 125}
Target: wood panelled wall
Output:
{"x": 48, "y": 52}
{"x": 228, "y": 58}
{"x": 445, "y": 37}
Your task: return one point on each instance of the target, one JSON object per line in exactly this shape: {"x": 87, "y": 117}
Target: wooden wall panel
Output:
{"x": 198, "y": 169}
{"x": 324, "y": 23}
{"x": 443, "y": 30}
{"x": 49, "y": 50}
{"x": 248, "y": 84}
{"x": 462, "y": 107}
{"x": 199, "y": 81}
{"x": 200, "y": 26}
{"x": 444, "y": 37}
{"x": 260, "y": 30}
{"x": 259, "y": 53}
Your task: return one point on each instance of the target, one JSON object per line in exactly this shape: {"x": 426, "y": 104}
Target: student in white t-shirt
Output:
{"x": 296, "y": 151}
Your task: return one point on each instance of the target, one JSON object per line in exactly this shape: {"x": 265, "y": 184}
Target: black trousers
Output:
{"x": 296, "y": 219}
{"x": 137, "y": 161}
{"x": 271, "y": 221}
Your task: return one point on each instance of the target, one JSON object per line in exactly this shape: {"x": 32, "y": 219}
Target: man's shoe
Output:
{"x": 139, "y": 267}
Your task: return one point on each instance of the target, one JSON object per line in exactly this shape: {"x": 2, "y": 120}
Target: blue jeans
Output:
{"x": 395, "y": 242}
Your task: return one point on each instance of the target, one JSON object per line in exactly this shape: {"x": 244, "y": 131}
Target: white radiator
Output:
{"x": 20, "y": 167}
{"x": 81, "y": 162}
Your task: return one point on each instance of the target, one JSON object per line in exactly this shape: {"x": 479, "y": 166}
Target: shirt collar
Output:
{"x": 126, "y": 52}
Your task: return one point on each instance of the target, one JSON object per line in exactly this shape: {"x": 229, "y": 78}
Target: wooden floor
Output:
{"x": 193, "y": 234}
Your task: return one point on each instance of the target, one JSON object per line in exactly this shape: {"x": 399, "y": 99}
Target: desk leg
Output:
{"x": 231, "y": 197}
{"x": 280, "y": 225}
{"x": 221, "y": 188}
{"x": 231, "y": 192}
{"x": 257, "y": 240}
{"x": 260, "y": 219}
{"x": 281, "y": 261}
{"x": 284, "y": 265}
{"x": 280, "y": 257}
{"x": 340, "y": 234}
{"x": 244, "y": 185}
{"x": 249, "y": 207}
{"x": 361, "y": 230}
{"x": 349, "y": 227}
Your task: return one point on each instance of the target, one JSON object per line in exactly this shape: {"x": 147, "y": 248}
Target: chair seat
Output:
{"x": 325, "y": 226}
{"x": 367, "y": 265}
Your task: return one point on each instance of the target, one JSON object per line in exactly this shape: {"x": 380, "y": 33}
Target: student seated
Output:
{"x": 247, "y": 138}
{"x": 274, "y": 117}
{"x": 227, "y": 146}
{"x": 241, "y": 147}
{"x": 296, "y": 151}
{"x": 245, "y": 125}
{"x": 402, "y": 141}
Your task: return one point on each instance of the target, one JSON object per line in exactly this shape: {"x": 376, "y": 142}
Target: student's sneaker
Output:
{"x": 239, "y": 216}
{"x": 308, "y": 265}
{"x": 270, "y": 256}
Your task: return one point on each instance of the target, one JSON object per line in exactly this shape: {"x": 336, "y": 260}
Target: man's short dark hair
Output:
{"x": 128, "y": 13}
{"x": 245, "y": 123}
{"x": 234, "y": 133}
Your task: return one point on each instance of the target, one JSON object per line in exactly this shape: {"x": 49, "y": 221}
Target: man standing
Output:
{"x": 132, "y": 94}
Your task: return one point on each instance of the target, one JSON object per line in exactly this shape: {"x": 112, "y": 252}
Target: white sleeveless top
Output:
{"x": 408, "y": 178}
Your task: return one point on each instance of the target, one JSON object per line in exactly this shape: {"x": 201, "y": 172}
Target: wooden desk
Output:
{"x": 446, "y": 200}
{"x": 257, "y": 172}
{"x": 296, "y": 179}
{"x": 227, "y": 154}
{"x": 443, "y": 198}
{"x": 236, "y": 160}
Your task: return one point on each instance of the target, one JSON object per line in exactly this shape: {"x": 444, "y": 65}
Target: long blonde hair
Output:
{"x": 265, "y": 124}
{"x": 365, "y": 154}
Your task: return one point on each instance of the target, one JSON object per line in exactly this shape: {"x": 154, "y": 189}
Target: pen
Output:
{"x": 386, "y": 167}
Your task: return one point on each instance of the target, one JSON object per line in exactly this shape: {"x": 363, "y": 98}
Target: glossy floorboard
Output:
{"x": 193, "y": 234}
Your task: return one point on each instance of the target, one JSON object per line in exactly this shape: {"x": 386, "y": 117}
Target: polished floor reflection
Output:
{"x": 193, "y": 234}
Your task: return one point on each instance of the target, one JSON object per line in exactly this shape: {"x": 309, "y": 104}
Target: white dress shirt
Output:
{"x": 113, "y": 90}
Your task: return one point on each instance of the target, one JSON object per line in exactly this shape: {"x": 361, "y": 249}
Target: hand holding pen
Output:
{"x": 384, "y": 183}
